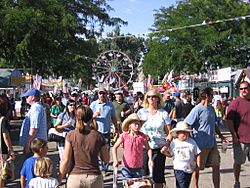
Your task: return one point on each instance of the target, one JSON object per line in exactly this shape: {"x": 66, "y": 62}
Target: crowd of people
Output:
{"x": 150, "y": 127}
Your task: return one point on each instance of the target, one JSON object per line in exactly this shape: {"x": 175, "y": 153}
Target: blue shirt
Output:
{"x": 203, "y": 120}
{"x": 107, "y": 111}
{"x": 64, "y": 117}
{"x": 28, "y": 170}
{"x": 35, "y": 118}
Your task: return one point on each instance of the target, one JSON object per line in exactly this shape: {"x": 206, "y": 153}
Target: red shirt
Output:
{"x": 133, "y": 150}
{"x": 239, "y": 113}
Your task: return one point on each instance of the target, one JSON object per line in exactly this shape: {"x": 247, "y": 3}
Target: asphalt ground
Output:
{"x": 226, "y": 170}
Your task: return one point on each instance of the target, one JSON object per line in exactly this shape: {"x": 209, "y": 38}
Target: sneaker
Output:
{"x": 236, "y": 184}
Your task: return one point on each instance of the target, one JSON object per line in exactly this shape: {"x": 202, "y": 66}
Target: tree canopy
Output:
{"x": 215, "y": 40}
{"x": 52, "y": 37}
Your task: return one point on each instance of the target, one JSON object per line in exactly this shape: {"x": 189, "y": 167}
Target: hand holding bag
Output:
{"x": 8, "y": 170}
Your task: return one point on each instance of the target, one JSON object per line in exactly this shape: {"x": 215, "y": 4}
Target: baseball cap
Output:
{"x": 74, "y": 93}
{"x": 32, "y": 92}
{"x": 119, "y": 92}
{"x": 102, "y": 90}
{"x": 177, "y": 94}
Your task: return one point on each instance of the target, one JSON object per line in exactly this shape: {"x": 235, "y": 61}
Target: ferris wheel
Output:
{"x": 113, "y": 68}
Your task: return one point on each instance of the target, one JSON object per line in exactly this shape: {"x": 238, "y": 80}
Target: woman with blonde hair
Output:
{"x": 7, "y": 151}
{"x": 43, "y": 170}
{"x": 83, "y": 146}
{"x": 157, "y": 126}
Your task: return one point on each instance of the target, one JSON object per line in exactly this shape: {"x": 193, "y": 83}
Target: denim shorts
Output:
{"x": 183, "y": 179}
{"x": 132, "y": 172}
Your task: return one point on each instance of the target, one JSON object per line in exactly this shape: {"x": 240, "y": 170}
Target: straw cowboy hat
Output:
{"x": 128, "y": 120}
{"x": 180, "y": 126}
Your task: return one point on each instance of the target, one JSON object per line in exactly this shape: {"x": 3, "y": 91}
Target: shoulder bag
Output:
{"x": 55, "y": 136}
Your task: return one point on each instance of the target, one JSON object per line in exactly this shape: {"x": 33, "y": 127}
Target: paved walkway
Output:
{"x": 205, "y": 176}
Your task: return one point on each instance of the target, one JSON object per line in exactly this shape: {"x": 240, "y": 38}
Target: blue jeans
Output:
{"x": 183, "y": 179}
{"x": 132, "y": 172}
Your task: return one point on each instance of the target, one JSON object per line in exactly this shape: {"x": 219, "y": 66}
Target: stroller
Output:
{"x": 143, "y": 182}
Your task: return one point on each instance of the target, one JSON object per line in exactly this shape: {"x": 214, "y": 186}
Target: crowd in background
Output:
{"x": 89, "y": 120}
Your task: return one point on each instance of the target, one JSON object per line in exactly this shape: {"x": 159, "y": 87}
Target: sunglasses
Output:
{"x": 152, "y": 96}
{"x": 243, "y": 88}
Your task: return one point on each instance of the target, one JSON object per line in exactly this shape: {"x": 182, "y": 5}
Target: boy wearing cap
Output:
{"x": 185, "y": 153}
{"x": 35, "y": 123}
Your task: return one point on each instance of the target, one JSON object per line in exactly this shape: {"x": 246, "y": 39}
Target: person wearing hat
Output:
{"x": 74, "y": 96}
{"x": 185, "y": 153}
{"x": 65, "y": 98}
{"x": 35, "y": 123}
{"x": 133, "y": 141}
{"x": 104, "y": 114}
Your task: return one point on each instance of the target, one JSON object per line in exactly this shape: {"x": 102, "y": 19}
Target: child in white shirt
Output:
{"x": 43, "y": 170}
{"x": 185, "y": 153}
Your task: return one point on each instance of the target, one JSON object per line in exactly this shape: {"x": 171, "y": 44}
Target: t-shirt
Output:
{"x": 85, "y": 100}
{"x": 238, "y": 111}
{"x": 184, "y": 154}
{"x": 86, "y": 148}
{"x": 107, "y": 111}
{"x": 64, "y": 117}
{"x": 169, "y": 105}
{"x": 56, "y": 110}
{"x": 5, "y": 129}
{"x": 155, "y": 126}
{"x": 35, "y": 118}
{"x": 203, "y": 119}
{"x": 28, "y": 170}
{"x": 179, "y": 108}
{"x": 120, "y": 107}
{"x": 39, "y": 182}
{"x": 186, "y": 109}
{"x": 133, "y": 149}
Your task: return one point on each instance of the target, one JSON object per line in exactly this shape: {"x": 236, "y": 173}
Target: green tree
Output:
{"x": 50, "y": 36}
{"x": 186, "y": 49}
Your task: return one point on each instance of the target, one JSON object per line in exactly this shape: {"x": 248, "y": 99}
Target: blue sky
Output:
{"x": 138, "y": 13}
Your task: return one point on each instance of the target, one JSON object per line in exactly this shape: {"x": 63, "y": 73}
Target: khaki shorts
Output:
{"x": 241, "y": 152}
{"x": 209, "y": 157}
{"x": 85, "y": 180}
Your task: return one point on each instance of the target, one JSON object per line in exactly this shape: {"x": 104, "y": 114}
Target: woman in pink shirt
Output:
{"x": 133, "y": 141}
